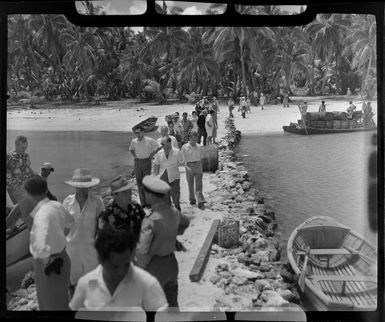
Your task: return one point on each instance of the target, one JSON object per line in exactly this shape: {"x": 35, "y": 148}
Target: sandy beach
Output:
{"x": 122, "y": 115}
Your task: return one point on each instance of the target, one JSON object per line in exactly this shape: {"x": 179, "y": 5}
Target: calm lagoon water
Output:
{"x": 104, "y": 153}
{"x": 306, "y": 176}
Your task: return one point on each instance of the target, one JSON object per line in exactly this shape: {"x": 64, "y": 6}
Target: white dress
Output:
{"x": 209, "y": 129}
{"x": 81, "y": 238}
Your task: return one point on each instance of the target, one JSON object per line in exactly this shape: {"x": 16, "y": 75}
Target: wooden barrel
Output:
{"x": 311, "y": 123}
{"x": 319, "y": 116}
{"x": 341, "y": 116}
{"x": 312, "y": 116}
{"x": 352, "y": 124}
{"x": 344, "y": 124}
{"x": 209, "y": 158}
{"x": 329, "y": 124}
{"x": 336, "y": 124}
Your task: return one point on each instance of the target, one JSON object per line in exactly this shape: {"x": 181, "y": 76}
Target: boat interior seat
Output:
{"x": 328, "y": 237}
{"x": 327, "y": 251}
{"x": 342, "y": 288}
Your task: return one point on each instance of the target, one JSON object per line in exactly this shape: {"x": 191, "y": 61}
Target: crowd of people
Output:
{"x": 115, "y": 255}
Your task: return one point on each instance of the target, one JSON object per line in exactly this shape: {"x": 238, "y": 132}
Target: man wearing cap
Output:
{"x": 84, "y": 206}
{"x": 122, "y": 213}
{"x": 166, "y": 165}
{"x": 142, "y": 149}
{"x": 192, "y": 156}
{"x": 164, "y": 133}
{"x": 46, "y": 170}
{"x": 47, "y": 246}
{"x": 155, "y": 250}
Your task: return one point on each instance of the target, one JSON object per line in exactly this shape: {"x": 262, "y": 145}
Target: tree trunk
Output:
{"x": 312, "y": 90}
{"x": 243, "y": 67}
{"x": 325, "y": 75}
{"x": 365, "y": 78}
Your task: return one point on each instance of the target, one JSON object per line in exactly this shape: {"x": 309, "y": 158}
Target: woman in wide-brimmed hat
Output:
{"x": 84, "y": 206}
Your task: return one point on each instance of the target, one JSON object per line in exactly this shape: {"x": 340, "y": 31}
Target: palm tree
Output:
{"x": 197, "y": 60}
{"x": 362, "y": 44}
{"x": 164, "y": 43}
{"x": 328, "y": 31}
{"x": 247, "y": 38}
{"x": 292, "y": 53}
{"x": 81, "y": 45}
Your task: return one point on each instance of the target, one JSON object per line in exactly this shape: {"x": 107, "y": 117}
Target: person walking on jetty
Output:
{"x": 173, "y": 133}
{"x": 242, "y": 106}
{"x": 209, "y": 125}
{"x": 166, "y": 166}
{"x": 116, "y": 282}
{"x": 142, "y": 149}
{"x": 286, "y": 99}
{"x": 155, "y": 250}
{"x": 262, "y": 101}
{"x": 84, "y": 206}
{"x": 230, "y": 104}
{"x": 122, "y": 213}
{"x": 215, "y": 108}
{"x": 322, "y": 107}
{"x": 164, "y": 133}
{"x": 192, "y": 156}
{"x": 18, "y": 165}
{"x": 187, "y": 126}
{"x": 177, "y": 124}
{"x": 202, "y": 127}
{"x": 51, "y": 262}
{"x": 194, "y": 120}
{"x": 248, "y": 105}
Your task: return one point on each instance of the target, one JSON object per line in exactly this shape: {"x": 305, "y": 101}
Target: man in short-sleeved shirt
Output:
{"x": 116, "y": 282}
{"x": 142, "y": 149}
{"x": 192, "y": 156}
{"x": 166, "y": 164}
{"x": 155, "y": 250}
{"x": 164, "y": 133}
{"x": 18, "y": 166}
{"x": 47, "y": 246}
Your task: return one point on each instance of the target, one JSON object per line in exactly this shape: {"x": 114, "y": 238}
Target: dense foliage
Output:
{"x": 49, "y": 57}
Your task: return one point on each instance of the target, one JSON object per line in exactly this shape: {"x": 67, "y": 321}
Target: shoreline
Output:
{"x": 246, "y": 277}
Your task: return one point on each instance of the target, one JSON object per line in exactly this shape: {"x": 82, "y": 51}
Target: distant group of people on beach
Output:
{"x": 121, "y": 254}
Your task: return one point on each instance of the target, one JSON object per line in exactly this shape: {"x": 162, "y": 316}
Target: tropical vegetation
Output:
{"x": 51, "y": 58}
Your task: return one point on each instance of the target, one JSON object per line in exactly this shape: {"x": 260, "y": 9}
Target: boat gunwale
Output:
{"x": 309, "y": 286}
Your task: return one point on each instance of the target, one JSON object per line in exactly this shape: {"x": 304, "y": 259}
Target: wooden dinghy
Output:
{"x": 336, "y": 267}
{"x": 17, "y": 246}
{"x": 148, "y": 124}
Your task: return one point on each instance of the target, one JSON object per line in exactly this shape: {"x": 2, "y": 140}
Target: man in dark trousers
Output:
{"x": 142, "y": 148}
{"x": 155, "y": 250}
{"x": 202, "y": 127}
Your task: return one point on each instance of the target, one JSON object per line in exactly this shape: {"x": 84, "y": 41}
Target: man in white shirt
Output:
{"x": 84, "y": 206}
{"x": 166, "y": 165}
{"x": 47, "y": 246}
{"x": 142, "y": 149}
{"x": 177, "y": 124}
{"x": 192, "y": 156}
{"x": 164, "y": 133}
{"x": 117, "y": 282}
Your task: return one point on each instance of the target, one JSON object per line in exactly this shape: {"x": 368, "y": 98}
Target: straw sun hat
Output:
{"x": 82, "y": 179}
{"x": 119, "y": 184}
